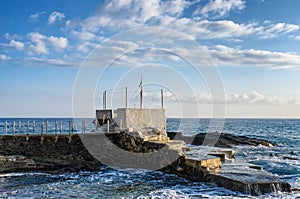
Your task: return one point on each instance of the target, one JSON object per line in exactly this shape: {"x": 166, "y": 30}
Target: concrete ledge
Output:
{"x": 247, "y": 180}
{"x": 208, "y": 162}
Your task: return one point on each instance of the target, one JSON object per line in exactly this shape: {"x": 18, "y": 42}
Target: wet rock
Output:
{"x": 223, "y": 140}
{"x": 18, "y": 163}
{"x": 290, "y": 158}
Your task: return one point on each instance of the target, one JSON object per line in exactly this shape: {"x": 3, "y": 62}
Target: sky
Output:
{"x": 57, "y": 57}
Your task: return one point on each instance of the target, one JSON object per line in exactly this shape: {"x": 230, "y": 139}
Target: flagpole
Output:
{"x": 141, "y": 93}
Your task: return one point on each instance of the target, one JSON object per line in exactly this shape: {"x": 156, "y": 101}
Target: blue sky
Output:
{"x": 254, "y": 44}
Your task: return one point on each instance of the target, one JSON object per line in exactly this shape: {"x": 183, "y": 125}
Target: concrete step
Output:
{"x": 247, "y": 180}
{"x": 199, "y": 162}
{"x": 202, "y": 150}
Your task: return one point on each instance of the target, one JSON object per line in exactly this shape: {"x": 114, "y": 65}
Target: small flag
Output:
{"x": 141, "y": 83}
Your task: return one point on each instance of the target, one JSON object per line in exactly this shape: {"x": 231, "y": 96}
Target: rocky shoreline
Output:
{"x": 19, "y": 161}
{"x": 223, "y": 140}
{"x": 69, "y": 153}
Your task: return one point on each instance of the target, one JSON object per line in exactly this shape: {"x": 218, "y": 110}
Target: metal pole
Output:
{"x": 105, "y": 100}
{"x": 103, "y": 105}
{"x": 5, "y": 127}
{"x": 126, "y": 97}
{"x": 141, "y": 99}
{"x": 13, "y": 128}
{"x": 72, "y": 127}
{"x": 42, "y": 127}
{"x": 19, "y": 126}
{"x": 33, "y": 126}
{"x": 162, "y": 98}
{"x": 46, "y": 126}
{"x": 83, "y": 126}
{"x": 27, "y": 130}
{"x": 61, "y": 127}
{"x": 141, "y": 94}
{"x": 107, "y": 126}
{"x": 55, "y": 127}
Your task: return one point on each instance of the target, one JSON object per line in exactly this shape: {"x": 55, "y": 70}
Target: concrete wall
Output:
{"x": 138, "y": 119}
{"x": 60, "y": 150}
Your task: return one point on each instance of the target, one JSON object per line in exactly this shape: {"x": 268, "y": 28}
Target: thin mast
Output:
{"x": 141, "y": 93}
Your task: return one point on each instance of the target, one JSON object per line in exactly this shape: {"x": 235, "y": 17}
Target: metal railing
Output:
{"x": 42, "y": 127}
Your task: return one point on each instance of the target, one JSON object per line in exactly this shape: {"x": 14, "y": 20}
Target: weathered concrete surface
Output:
{"x": 141, "y": 120}
{"x": 247, "y": 180}
{"x": 57, "y": 152}
{"x": 224, "y": 153}
{"x": 208, "y": 162}
{"x": 89, "y": 151}
{"x": 223, "y": 140}
{"x": 147, "y": 154}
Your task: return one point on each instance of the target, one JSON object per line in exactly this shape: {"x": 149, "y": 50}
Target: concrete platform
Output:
{"x": 227, "y": 152}
{"x": 247, "y": 180}
{"x": 199, "y": 162}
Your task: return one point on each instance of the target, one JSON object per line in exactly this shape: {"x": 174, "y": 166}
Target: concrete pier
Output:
{"x": 68, "y": 152}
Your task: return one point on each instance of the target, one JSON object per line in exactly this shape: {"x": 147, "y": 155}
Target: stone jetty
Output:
{"x": 69, "y": 152}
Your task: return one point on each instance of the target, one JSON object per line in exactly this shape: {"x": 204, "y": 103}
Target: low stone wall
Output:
{"x": 86, "y": 151}
{"x": 59, "y": 151}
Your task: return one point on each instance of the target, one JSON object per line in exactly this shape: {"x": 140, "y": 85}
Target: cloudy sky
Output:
{"x": 252, "y": 44}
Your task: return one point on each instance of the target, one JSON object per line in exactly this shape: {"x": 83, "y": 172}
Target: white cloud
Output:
{"x": 273, "y": 30}
{"x": 125, "y": 14}
{"x": 18, "y": 45}
{"x": 256, "y": 98}
{"x": 14, "y": 44}
{"x": 55, "y": 16}
{"x": 53, "y": 62}
{"x": 206, "y": 29}
{"x": 84, "y": 35}
{"x": 284, "y": 27}
{"x": 253, "y": 98}
{"x": 220, "y": 8}
{"x": 9, "y": 36}
{"x": 58, "y": 42}
{"x": 226, "y": 56}
{"x": 4, "y": 57}
{"x": 39, "y": 42}
{"x": 86, "y": 47}
{"x": 36, "y": 15}
{"x": 148, "y": 48}
{"x": 296, "y": 37}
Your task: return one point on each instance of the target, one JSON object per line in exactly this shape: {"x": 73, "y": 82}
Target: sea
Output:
{"x": 282, "y": 160}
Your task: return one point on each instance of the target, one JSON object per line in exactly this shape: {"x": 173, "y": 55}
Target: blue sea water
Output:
{"x": 282, "y": 160}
